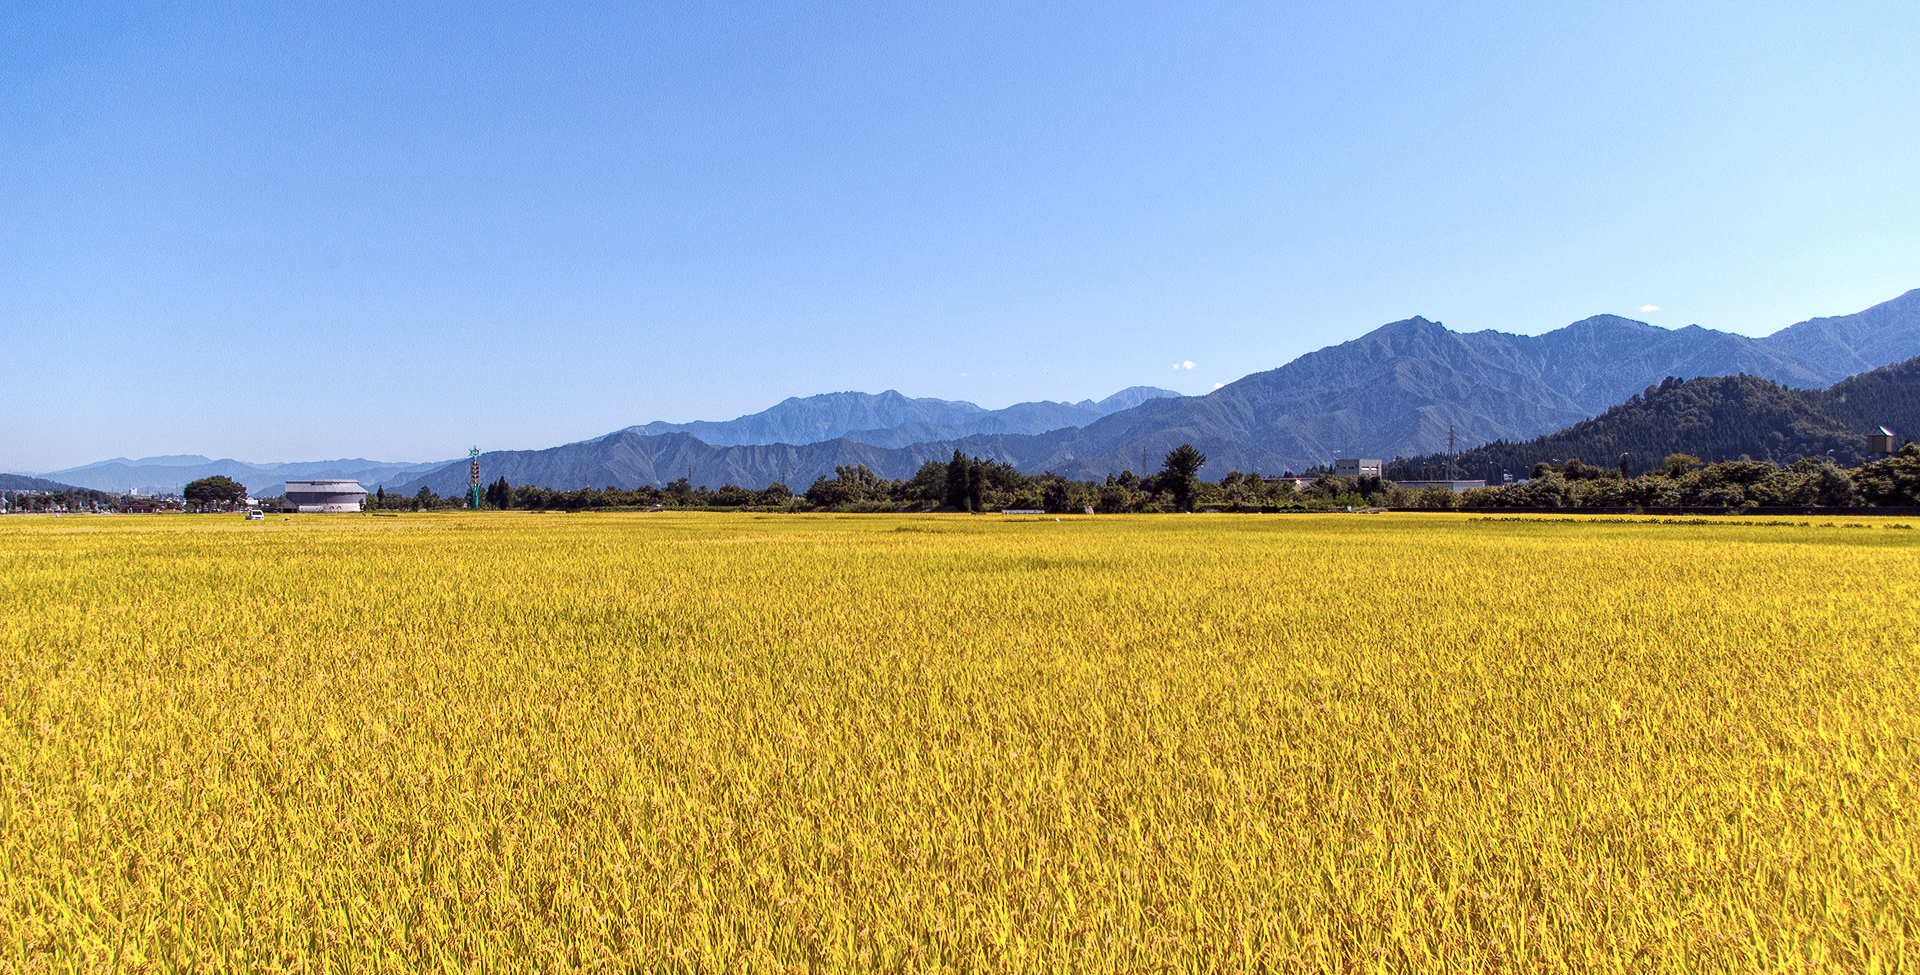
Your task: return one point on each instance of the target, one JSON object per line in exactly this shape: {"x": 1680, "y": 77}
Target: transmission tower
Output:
{"x": 473, "y": 479}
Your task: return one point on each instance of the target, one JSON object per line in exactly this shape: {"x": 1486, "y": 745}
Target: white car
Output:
{"x": 255, "y": 514}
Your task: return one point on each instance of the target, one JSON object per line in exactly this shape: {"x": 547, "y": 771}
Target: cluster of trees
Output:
{"x": 421, "y": 500}
{"x": 216, "y": 493}
{"x": 961, "y": 484}
{"x": 79, "y": 499}
{"x": 1683, "y": 480}
{"x": 977, "y": 484}
{"x": 502, "y": 496}
{"x": 966, "y": 483}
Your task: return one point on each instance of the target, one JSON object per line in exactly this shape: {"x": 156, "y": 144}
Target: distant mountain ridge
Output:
{"x": 1395, "y": 391}
{"x": 889, "y": 419}
{"x": 167, "y": 475}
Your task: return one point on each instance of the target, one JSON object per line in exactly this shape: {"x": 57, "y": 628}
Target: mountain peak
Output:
{"x": 1597, "y": 322}
{"x": 1847, "y": 344}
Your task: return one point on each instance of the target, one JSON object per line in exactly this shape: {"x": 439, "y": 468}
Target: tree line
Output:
{"x": 966, "y": 483}
{"x": 1683, "y": 480}
{"x": 962, "y": 483}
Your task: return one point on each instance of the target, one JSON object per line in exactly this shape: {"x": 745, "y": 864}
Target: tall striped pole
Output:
{"x": 473, "y": 479}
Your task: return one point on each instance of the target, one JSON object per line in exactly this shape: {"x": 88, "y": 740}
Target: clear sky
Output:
{"x": 283, "y": 231}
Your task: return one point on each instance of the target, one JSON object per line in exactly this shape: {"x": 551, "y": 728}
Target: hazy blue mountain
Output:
{"x": 811, "y": 419}
{"x": 629, "y": 459}
{"x": 167, "y": 475}
{"x": 1844, "y": 345}
{"x": 1126, "y": 399}
{"x": 893, "y": 420}
{"x": 1392, "y": 392}
{"x": 1038, "y": 417}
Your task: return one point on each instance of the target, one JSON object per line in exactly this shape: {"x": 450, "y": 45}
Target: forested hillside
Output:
{"x": 1714, "y": 418}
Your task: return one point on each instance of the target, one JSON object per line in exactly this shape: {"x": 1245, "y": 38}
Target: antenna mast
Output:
{"x": 473, "y": 479}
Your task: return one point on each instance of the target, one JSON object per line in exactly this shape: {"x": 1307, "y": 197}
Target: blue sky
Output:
{"x": 296, "y": 231}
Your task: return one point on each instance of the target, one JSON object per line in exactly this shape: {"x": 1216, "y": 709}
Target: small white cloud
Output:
{"x": 1219, "y": 385}
{"x": 1187, "y": 365}
{"x": 1649, "y": 307}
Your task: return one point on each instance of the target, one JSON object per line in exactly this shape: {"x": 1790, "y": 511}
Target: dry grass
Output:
{"x": 781, "y": 743}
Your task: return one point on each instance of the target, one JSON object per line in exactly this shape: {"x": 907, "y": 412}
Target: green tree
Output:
{"x": 929, "y": 483}
{"x": 1180, "y": 474}
{"x": 776, "y": 494}
{"x": 1679, "y": 465}
{"x": 218, "y": 489}
{"x": 1056, "y": 494}
{"x": 1893, "y": 481}
{"x": 958, "y": 475}
{"x": 500, "y": 494}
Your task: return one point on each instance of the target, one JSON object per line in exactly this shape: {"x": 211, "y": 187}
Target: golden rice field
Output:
{"x": 717, "y": 743}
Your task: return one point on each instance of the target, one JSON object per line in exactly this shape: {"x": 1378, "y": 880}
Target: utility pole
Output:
{"x": 1449, "y": 451}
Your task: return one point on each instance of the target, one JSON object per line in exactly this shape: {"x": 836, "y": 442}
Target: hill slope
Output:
{"x": 26, "y": 482}
{"x": 1714, "y": 418}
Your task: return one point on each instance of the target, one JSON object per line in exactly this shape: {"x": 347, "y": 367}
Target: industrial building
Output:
{"x": 1881, "y": 444}
{"x": 1356, "y": 467}
{"x": 324, "y": 497}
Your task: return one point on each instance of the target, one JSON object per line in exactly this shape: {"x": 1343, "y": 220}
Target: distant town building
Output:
{"x": 324, "y": 497}
{"x": 1356, "y": 467}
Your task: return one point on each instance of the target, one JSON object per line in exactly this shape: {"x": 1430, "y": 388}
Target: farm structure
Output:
{"x": 324, "y": 497}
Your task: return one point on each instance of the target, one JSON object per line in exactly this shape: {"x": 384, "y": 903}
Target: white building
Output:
{"x": 324, "y": 497}
{"x": 1355, "y": 467}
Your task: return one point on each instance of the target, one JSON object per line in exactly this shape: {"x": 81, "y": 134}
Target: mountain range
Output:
{"x": 1396, "y": 391}
{"x": 886, "y": 419}
{"x": 167, "y": 475}
{"x": 890, "y": 419}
